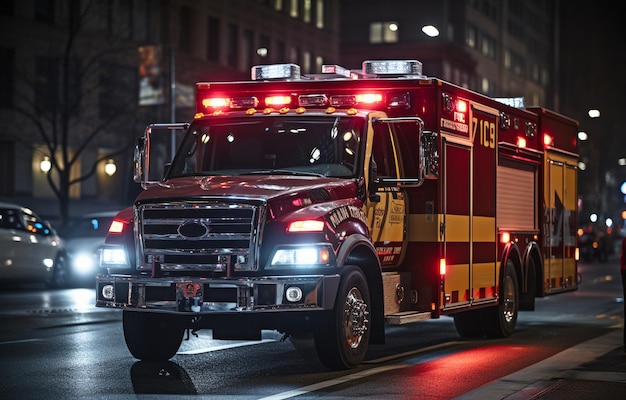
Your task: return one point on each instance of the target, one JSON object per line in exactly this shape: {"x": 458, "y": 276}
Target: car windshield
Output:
{"x": 86, "y": 227}
{"x": 325, "y": 146}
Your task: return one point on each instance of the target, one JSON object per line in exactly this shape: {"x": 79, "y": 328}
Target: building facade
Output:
{"x": 82, "y": 79}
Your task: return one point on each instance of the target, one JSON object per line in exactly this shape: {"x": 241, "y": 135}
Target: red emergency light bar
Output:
{"x": 395, "y": 100}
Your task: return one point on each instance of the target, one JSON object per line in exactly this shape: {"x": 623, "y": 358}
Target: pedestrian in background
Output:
{"x": 622, "y": 270}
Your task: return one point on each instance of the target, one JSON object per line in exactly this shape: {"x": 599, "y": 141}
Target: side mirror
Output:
{"x": 139, "y": 159}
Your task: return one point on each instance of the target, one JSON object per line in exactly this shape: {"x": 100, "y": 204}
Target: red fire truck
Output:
{"x": 326, "y": 206}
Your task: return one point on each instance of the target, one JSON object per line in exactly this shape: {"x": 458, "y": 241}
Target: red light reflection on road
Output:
{"x": 454, "y": 374}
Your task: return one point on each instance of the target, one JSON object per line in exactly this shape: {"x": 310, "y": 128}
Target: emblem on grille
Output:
{"x": 193, "y": 229}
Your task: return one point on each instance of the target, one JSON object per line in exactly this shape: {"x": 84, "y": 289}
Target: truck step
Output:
{"x": 406, "y": 317}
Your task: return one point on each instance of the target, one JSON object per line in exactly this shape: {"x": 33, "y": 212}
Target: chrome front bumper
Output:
{"x": 208, "y": 296}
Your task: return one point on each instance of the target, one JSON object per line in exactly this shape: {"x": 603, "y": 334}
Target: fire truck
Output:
{"x": 326, "y": 206}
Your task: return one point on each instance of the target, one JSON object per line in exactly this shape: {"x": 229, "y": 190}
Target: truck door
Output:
{"x": 469, "y": 208}
{"x": 386, "y": 214}
{"x": 560, "y": 205}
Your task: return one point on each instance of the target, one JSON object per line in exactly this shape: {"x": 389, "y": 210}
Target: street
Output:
{"x": 55, "y": 344}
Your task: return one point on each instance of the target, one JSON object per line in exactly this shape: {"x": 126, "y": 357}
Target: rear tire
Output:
{"x": 342, "y": 340}
{"x": 152, "y": 337}
{"x": 527, "y": 300}
{"x": 499, "y": 321}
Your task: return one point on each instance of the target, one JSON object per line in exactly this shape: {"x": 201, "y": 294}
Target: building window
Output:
{"x": 278, "y": 5}
{"x": 306, "y": 62}
{"x": 306, "y": 11}
{"x": 294, "y": 55}
{"x": 184, "y": 38}
{"x": 294, "y": 12}
{"x": 319, "y": 14}
{"x": 319, "y": 61}
{"x": 384, "y": 32}
{"x": 47, "y": 83}
{"x": 280, "y": 56}
{"x": 487, "y": 87}
{"x": 213, "y": 39}
{"x": 7, "y": 58}
{"x": 470, "y": 36}
{"x": 232, "y": 57}
{"x": 545, "y": 77}
{"x": 513, "y": 62}
{"x": 488, "y": 46}
{"x": 249, "y": 50}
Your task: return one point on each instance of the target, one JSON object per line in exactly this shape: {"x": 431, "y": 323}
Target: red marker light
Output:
{"x": 277, "y": 100}
{"x": 548, "y": 140}
{"x": 369, "y": 98}
{"x": 521, "y": 142}
{"x": 117, "y": 226}
{"x": 216, "y": 102}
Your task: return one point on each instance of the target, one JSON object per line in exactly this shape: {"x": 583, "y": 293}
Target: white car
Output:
{"x": 83, "y": 238}
{"x": 30, "y": 249}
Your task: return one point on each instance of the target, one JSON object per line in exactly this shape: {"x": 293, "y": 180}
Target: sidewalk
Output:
{"x": 595, "y": 369}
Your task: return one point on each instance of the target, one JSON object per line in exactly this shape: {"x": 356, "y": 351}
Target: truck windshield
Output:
{"x": 324, "y": 146}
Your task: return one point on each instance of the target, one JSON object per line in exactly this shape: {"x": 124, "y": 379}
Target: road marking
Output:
{"x": 359, "y": 375}
{"x": 333, "y": 382}
{"x": 225, "y": 346}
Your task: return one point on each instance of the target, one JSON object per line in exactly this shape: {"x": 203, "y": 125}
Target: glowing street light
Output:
{"x": 593, "y": 113}
{"x": 110, "y": 167}
{"x": 45, "y": 164}
{"x": 430, "y": 30}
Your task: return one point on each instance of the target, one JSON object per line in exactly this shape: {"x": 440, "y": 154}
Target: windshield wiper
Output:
{"x": 282, "y": 172}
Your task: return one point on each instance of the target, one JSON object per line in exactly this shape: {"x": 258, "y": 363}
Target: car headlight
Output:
{"x": 84, "y": 262}
{"x": 113, "y": 257}
{"x": 303, "y": 256}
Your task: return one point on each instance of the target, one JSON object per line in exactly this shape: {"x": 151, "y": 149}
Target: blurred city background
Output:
{"x": 81, "y": 79}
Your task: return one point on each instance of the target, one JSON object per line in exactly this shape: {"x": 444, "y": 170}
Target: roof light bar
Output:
{"x": 336, "y": 69}
{"x": 392, "y": 67}
{"x": 275, "y": 71}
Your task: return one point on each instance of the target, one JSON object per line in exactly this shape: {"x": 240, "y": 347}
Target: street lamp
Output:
{"x": 45, "y": 165}
{"x": 110, "y": 167}
{"x": 430, "y": 30}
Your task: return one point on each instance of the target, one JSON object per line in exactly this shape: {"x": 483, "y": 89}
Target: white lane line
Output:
{"x": 359, "y": 375}
{"x": 333, "y": 382}
{"x": 224, "y": 346}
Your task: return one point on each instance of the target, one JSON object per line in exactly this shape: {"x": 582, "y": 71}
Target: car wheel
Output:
{"x": 61, "y": 274}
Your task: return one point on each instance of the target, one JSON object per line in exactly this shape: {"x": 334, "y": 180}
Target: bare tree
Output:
{"x": 81, "y": 98}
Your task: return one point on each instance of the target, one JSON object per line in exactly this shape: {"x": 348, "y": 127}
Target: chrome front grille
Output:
{"x": 198, "y": 236}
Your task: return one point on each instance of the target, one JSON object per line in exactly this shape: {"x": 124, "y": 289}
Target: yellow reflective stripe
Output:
{"x": 425, "y": 228}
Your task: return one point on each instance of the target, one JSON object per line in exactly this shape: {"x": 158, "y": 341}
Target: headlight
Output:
{"x": 84, "y": 262}
{"x": 302, "y": 256}
{"x": 113, "y": 257}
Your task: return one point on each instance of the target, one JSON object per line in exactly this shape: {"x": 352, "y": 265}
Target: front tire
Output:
{"x": 152, "y": 337}
{"x": 61, "y": 274}
{"x": 342, "y": 341}
{"x": 500, "y": 321}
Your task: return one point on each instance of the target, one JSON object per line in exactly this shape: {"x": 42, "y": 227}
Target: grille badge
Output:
{"x": 193, "y": 229}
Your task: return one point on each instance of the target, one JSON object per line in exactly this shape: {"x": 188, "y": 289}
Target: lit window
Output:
{"x": 384, "y": 32}
{"x": 319, "y": 14}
